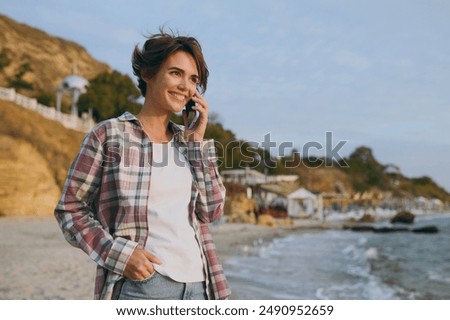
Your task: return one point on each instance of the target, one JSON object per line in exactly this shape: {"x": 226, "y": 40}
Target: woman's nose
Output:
{"x": 185, "y": 85}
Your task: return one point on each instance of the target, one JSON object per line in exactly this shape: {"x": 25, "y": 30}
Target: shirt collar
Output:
{"x": 177, "y": 129}
{"x": 127, "y": 116}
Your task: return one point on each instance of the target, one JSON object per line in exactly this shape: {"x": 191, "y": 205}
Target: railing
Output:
{"x": 67, "y": 120}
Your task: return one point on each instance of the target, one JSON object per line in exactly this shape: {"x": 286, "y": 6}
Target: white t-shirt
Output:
{"x": 171, "y": 235}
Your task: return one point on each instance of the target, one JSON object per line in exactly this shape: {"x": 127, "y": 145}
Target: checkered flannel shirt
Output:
{"x": 104, "y": 204}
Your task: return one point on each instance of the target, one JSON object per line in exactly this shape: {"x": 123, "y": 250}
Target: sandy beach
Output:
{"x": 37, "y": 263}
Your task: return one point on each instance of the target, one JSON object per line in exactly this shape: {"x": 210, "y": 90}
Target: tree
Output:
{"x": 365, "y": 171}
{"x": 45, "y": 98}
{"x": 4, "y": 59}
{"x": 18, "y": 82}
{"x": 109, "y": 95}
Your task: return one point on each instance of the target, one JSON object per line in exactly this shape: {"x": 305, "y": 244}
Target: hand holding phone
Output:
{"x": 195, "y": 126}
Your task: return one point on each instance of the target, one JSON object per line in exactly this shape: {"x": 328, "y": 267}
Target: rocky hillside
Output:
{"x": 35, "y": 154}
{"x": 41, "y": 59}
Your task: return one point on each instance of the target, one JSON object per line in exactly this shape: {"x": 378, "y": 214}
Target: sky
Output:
{"x": 370, "y": 73}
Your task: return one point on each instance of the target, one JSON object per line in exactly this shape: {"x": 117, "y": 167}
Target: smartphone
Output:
{"x": 189, "y": 106}
{"x": 189, "y": 111}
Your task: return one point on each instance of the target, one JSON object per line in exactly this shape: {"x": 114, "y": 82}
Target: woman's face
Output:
{"x": 174, "y": 84}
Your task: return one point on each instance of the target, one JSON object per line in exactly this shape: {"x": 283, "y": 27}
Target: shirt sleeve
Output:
{"x": 76, "y": 213}
{"x": 211, "y": 191}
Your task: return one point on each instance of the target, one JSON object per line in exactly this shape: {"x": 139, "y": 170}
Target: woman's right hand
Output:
{"x": 140, "y": 265}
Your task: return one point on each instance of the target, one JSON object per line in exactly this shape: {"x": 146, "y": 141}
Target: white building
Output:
{"x": 245, "y": 177}
{"x": 302, "y": 203}
{"x": 75, "y": 85}
{"x": 252, "y": 177}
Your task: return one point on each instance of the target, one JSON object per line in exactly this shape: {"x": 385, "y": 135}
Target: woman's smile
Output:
{"x": 180, "y": 97}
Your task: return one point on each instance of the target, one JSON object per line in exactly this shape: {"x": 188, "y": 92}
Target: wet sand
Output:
{"x": 36, "y": 262}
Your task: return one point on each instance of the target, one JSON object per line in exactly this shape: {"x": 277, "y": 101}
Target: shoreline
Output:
{"x": 234, "y": 239}
{"x": 38, "y": 263}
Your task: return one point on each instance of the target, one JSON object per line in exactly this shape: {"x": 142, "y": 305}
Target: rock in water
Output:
{"x": 403, "y": 217}
{"x": 426, "y": 229}
{"x": 360, "y": 228}
{"x": 390, "y": 229}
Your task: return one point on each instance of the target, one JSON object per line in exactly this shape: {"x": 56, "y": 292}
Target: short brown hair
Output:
{"x": 158, "y": 48}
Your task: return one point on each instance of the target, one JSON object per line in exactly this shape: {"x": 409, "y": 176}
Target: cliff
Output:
{"x": 44, "y": 60}
{"x": 35, "y": 154}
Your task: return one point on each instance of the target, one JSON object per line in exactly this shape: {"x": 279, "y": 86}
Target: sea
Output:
{"x": 347, "y": 265}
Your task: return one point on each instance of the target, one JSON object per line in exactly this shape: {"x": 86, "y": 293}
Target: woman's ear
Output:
{"x": 144, "y": 76}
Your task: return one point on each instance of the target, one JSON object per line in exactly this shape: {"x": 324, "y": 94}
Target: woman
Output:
{"x": 141, "y": 191}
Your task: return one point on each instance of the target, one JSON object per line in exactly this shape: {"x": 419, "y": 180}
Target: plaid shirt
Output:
{"x": 103, "y": 207}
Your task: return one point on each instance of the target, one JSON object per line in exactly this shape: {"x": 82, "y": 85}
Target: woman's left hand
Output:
{"x": 196, "y": 131}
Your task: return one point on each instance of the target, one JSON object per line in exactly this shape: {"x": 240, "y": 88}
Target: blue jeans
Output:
{"x": 159, "y": 287}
